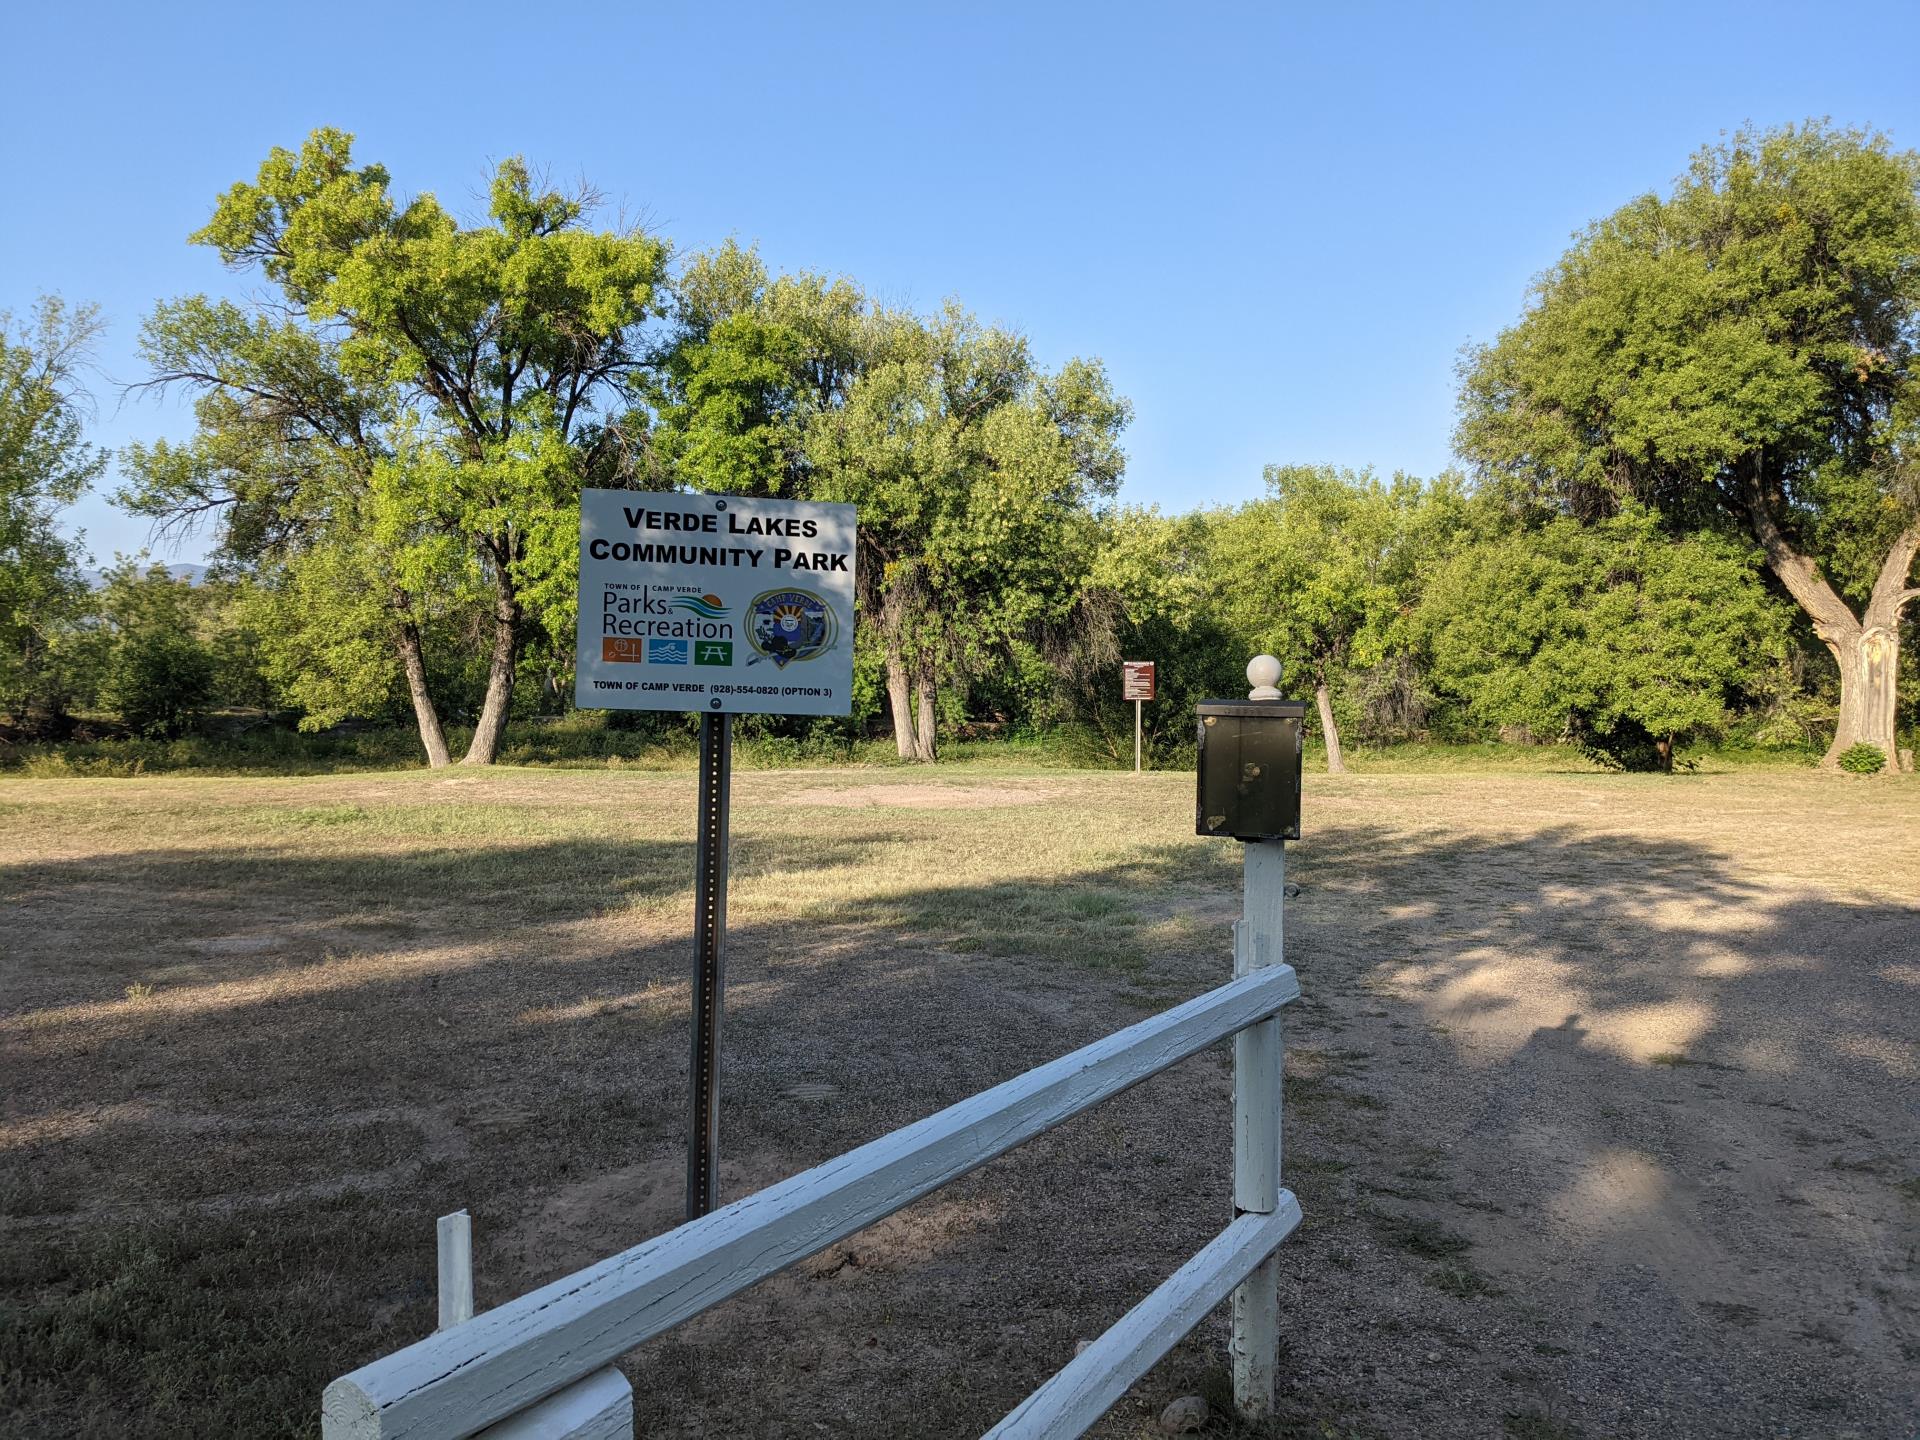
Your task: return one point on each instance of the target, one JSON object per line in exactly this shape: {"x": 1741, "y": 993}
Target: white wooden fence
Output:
{"x": 540, "y": 1366}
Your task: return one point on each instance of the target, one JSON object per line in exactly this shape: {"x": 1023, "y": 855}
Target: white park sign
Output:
{"x": 719, "y": 603}
{"x": 726, "y": 605}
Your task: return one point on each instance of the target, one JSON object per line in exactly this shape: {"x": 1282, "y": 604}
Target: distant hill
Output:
{"x": 192, "y": 574}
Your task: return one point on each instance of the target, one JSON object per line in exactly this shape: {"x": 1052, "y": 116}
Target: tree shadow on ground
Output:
{"x": 1590, "y": 1129}
{"x": 1665, "y": 1104}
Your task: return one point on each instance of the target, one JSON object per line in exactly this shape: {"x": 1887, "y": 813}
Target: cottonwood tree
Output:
{"x": 155, "y": 668}
{"x": 1612, "y": 635}
{"x": 974, "y": 473}
{"x": 1321, "y": 573}
{"x": 503, "y": 352}
{"x": 754, "y": 359}
{"x": 298, "y": 464}
{"x": 1741, "y": 351}
{"x": 45, "y": 464}
{"x": 973, "y": 470}
{"x": 1148, "y": 596}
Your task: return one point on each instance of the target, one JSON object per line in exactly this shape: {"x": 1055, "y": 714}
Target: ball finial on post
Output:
{"x": 1263, "y": 673}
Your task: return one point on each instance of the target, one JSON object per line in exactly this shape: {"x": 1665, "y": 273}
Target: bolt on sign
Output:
{"x": 721, "y": 604}
{"x": 1136, "y": 679}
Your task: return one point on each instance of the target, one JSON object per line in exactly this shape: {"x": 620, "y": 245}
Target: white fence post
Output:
{"x": 1099, "y": 1375}
{"x": 1257, "y": 944}
{"x": 456, "y": 1269}
{"x": 599, "y": 1407}
{"x": 510, "y": 1358}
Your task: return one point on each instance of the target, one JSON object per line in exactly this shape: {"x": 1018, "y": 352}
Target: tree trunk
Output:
{"x": 1328, "y": 730}
{"x": 1870, "y": 659}
{"x": 407, "y": 641}
{"x": 924, "y": 748}
{"x": 1869, "y": 667}
{"x": 900, "y": 702}
{"x": 506, "y": 650}
{"x": 1867, "y": 649}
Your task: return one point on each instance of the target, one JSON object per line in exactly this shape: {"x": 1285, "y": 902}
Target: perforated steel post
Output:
{"x": 709, "y": 964}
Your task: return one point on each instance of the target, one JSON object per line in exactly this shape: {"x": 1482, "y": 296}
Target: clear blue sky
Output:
{"x": 1277, "y": 224}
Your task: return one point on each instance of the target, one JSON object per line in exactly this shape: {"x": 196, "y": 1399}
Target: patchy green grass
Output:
{"x": 1428, "y": 1239}
{"x": 1673, "y": 1059}
{"x": 981, "y": 880}
{"x": 593, "y": 739}
{"x": 1313, "y": 1092}
{"x": 213, "y": 1327}
{"x": 260, "y": 1031}
{"x": 1538, "y": 1425}
{"x": 1462, "y": 1281}
{"x": 241, "y": 1013}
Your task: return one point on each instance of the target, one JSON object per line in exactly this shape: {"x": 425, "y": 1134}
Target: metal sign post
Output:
{"x": 726, "y": 605}
{"x": 709, "y": 963}
{"x": 1136, "y": 684}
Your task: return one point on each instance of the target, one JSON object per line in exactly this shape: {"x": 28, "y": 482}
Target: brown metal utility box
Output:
{"x": 1249, "y": 770}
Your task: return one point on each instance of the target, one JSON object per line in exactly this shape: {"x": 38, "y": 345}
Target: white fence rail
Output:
{"x": 540, "y": 1366}
{"x": 1099, "y": 1375}
{"x": 459, "y": 1381}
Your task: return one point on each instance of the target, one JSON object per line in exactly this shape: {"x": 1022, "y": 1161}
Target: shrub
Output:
{"x": 157, "y": 680}
{"x": 1863, "y": 759}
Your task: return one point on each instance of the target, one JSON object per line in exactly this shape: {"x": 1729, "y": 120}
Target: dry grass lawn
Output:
{"x": 1603, "y": 1096}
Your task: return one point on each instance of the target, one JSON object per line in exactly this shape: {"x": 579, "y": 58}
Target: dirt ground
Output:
{"x": 1603, "y": 1094}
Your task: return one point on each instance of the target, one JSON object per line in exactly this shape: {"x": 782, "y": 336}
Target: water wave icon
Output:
{"x": 707, "y": 607}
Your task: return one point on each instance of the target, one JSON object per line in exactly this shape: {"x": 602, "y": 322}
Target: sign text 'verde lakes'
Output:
{"x": 721, "y": 604}
{"x": 730, "y": 523}
{"x": 717, "y": 603}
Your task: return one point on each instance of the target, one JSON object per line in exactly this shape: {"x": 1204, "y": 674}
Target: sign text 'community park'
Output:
{"x": 725, "y": 604}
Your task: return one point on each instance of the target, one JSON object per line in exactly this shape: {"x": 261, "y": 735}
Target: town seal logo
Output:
{"x": 789, "y": 625}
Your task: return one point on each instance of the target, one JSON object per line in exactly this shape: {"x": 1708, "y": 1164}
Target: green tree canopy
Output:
{"x": 303, "y": 471}
{"x": 1322, "y": 574}
{"x": 1740, "y": 352}
{"x": 45, "y": 464}
{"x": 155, "y": 668}
{"x": 755, "y": 358}
{"x": 1147, "y": 596}
{"x": 975, "y": 474}
{"x": 973, "y": 470}
{"x": 446, "y": 388}
{"x": 1612, "y": 635}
